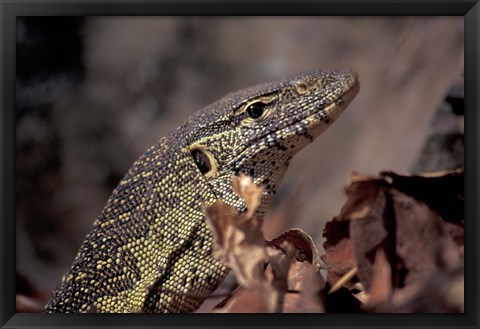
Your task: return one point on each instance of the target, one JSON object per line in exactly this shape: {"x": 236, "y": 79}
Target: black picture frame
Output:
{"x": 9, "y": 10}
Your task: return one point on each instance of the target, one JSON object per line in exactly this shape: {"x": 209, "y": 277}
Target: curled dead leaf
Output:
{"x": 398, "y": 230}
{"x": 263, "y": 271}
{"x": 243, "y": 185}
{"x": 381, "y": 286}
{"x": 238, "y": 243}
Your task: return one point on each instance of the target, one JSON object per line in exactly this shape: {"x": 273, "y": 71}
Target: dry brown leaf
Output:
{"x": 442, "y": 191}
{"x": 302, "y": 242}
{"x": 381, "y": 287}
{"x": 415, "y": 222}
{"x": 365, "y": 202}
{"x": 442, "y": 293}
{"x": 277, "y": 273}
{"x": 220, "y": 217}
{"x": 424, "y": 245}
{"x": 392, "y": 237}
{"x": 301, "y": 274}
{"x": 239, "y": 244}
{"x": 243, "y": 185}
{"x": 305, "y": 278}
{"x": 338, "y": 249}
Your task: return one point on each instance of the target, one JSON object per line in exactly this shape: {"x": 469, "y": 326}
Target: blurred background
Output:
{"x": 94, "y": 93}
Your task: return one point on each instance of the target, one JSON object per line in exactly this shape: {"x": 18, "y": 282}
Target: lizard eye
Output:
{"x": 255, "y": 110}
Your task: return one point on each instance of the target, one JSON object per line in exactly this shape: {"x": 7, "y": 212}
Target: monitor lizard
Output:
{"x": 150, "y": 248}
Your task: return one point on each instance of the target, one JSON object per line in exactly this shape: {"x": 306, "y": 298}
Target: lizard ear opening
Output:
{"x": 204, "y": 160}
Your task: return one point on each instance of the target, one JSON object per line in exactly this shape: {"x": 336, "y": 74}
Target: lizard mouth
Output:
{"x": 333, "y": 110}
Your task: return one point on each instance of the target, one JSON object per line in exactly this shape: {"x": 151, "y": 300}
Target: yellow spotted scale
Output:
{"x": 150, "y": 249}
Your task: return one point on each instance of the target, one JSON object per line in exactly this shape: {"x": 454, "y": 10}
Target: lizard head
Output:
{"x": 258, "y": 130}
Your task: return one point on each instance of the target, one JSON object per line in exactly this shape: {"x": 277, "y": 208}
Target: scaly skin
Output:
{"x": 150, "y": 248}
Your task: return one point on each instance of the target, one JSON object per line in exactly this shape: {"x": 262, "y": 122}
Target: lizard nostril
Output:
{"x": 301, "y": 89}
